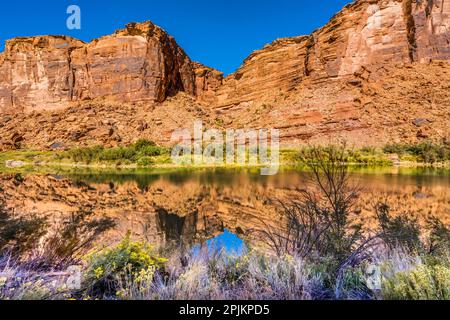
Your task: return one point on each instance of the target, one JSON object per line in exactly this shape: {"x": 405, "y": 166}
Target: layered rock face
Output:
{"x": 139, "y": 63}
{"x": 34, "y": 73}
{"x": 367, "y": 76}
{"x": 279, "y": 67}
{"x": 430, "y": 32}
{"x": 367, "y": 34}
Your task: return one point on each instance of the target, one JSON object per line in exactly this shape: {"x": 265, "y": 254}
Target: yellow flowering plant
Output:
{"x": 137, "y": 261}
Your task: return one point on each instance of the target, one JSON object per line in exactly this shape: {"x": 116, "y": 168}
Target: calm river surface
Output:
{"x": 194, "y": 206}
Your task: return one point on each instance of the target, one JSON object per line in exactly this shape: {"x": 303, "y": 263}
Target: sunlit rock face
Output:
{"x": 364, "y": 77}
{"x": 432, "y": 29}
{"x": 141, "y": 62}
{"x": 367, "y": 34}
{"x": 35, "y": 73}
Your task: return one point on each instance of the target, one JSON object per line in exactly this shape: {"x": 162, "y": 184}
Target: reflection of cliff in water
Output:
{"x": 193, "y": 207}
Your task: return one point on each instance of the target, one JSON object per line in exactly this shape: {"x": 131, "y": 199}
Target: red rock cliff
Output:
{"x": 377, "y": 73}
{"x": 365, "y": 34}
{"x": 141, "y": 62}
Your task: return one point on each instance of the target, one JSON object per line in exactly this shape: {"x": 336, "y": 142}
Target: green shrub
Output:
{"x": 423, "y": 283}
{"x": 120, "y": 153}
{"x": 127, "y": 261}
{"x": 151, "y": 151}
{"x": 364, "y": 156}
{"x": 394, "y": 149}
{"x": 145, "y": 162}
{"x": 143, "y": 143}
{"x": 427, "y": 152}
{"x": 370, "y": 159}
{"x": 410, "y": 158}
{"x": 86, "y": 155}
{"x": 130, "y": 154}
{"x": 369, "y": 150}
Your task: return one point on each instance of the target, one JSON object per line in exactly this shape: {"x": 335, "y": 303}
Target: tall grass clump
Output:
{"x": 20, "y": 283}
{"x": 210, "y": 274}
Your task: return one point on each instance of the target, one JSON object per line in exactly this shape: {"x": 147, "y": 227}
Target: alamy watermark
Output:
{"x": 231, "y": 147}
{"x": 73, "y": 22}
{"x": 373, "y": 277}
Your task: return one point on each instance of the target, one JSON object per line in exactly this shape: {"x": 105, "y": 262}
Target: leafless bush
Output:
{"x": 318, "y": 223}
{"x": 69, "y": 241}
{"x": 38, "y": 244}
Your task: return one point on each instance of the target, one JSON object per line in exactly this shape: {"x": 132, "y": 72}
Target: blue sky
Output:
{"x": 218, "y": 33}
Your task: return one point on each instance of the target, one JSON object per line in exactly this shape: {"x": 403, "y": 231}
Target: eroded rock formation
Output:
{"x": 367, "y": 34}
{"x": 366, "y": 76}
{"x": 139, "y": 63}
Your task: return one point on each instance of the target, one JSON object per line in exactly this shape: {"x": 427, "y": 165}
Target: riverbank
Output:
{"x": 135, "y": 270}
{"x": 298, "y": 242}
{"x": 145, "y": 154}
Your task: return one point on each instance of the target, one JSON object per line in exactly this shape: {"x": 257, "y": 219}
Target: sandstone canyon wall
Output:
{"x": 368, "y": 75}
{"x": 367, "y": 34}
{"x": 139, "y": 63}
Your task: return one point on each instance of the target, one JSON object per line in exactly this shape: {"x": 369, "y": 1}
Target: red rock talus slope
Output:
{"x": 378, "y": 72}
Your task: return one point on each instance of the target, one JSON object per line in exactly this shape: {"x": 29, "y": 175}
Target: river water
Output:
{"x": 195, "y": 206}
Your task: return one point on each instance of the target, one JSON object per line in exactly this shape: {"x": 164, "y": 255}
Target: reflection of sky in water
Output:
{"x": 227, "y": 241}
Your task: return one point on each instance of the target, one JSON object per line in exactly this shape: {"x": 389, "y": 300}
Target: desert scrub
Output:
{"x": 368, "y": 156}
{"x": 19, "y": 283}
{"x": 422, "y": 283}
{"x": 127, "y": 262}
{"x": 427, "y": 152}
{"x": 220, "y": 275}
{"x": 27, "y": 290}
{"x": 131, "y": 154}
{"x": 363, "y": 156}
{"x": 145, "y": 161}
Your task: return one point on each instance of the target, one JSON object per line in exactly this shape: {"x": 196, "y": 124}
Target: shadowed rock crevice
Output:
{"x": 171, "y": 225}
{"x": 410, "y": 28}
{"x": 309, "y": 51}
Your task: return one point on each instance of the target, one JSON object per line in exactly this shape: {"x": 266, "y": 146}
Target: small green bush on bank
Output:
{"x": 142, "y": 149}
{"x": 427, "y": 152}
